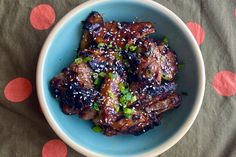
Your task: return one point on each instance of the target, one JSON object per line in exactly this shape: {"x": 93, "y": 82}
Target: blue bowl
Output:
{"x": 59, "y": 51}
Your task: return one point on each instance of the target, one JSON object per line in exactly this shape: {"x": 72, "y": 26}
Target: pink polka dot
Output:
{"x": 197, "y": 31}
{"x": 224, "y": 83}
{"x": 54, "y": 148}
{"x": 18, "y": 89}
{"x": 42, "y": 16}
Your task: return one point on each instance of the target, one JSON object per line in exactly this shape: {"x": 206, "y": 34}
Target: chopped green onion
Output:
{"x": 133, "y": 99}
{"x": 138, "y": 50}
{"x": 111, "y": 75}
{"x": 100, "y": 45}
{"x": 97, "y": 82}
{"x": 97, "y": 129}
{"x": 181, "y": 66}
{"x": 118, "y": 49}
{"x": 121, "y": 87}
{"x": 132, "y": 48}
{"x": 123, "y": 101}
{"x": 119, "y": 57}
{"x": 111, "y": 95}
{"x": 95, "y": 106}
{"x": 102, "y": 74}
{"x": 148, "y": 72}
{"x": 125, "y": 91}
{"x": 165, "y": 40}
{"x": 128, "y": 112}
{"x": 117, "y": 108}
{"x": 78, "y": 60}
{"x": 128, "y": 96}
{"x": 87, "y": 59}
{"x": 127, "y": 47}
{"x": 165, "y": 77}
{"x": 110, "y": 45}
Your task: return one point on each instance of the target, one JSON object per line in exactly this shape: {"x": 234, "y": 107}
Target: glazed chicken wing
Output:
{"x": 122, "y": 79}
{"x": 74, "y": 89}
{"x": 114, "y": 33}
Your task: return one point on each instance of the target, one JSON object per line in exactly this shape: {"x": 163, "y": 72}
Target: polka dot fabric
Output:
{"x": 18, "y": 89}
{"x": 224, "y": 83}
{"x": 54, "y": 148}
{"x": 197, "y": 31}
{"x": 23, "y": 29}
{"x": 42, "y": 16}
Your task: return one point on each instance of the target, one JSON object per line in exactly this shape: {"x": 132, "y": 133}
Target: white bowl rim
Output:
{"x": 168, "y": 143}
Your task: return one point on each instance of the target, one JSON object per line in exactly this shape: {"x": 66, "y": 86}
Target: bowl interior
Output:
{"x": 61, "y": 51}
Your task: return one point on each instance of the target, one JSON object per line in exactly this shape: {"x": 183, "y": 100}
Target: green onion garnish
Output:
{"x": 97, "y": 82}
{"x": 123, "y": 101}
{"x": 95, "y": 106}
{"x": 133, "y": 99}
{"x": 132, "y": 48}
{"x": 102, "y": 74}
{"x": 138, "y": 50}
{"x": 111, "y": 95}
{"x": 128, "y": 96}
{"x": 125, "y": 91}
{"x": 117, "y": 108}
{"x": 165, "y": 40}
{"x": 110, "y": 45}
{"x": 181, "y": 66}
{"x": 148, "y": 72}
{"x": 111, "y": 75}
{"x": 119, "y": 57}
{"x": 165, "y": 77}
{"x": 87, "y": 59}
{"x": 127, "y": 47}
{"x": 118, "y": 49}
{"x": 128, "y": 112}
{"x": 100, "y": 45}
{"x": 97, "y": 129}
{"x": 121, "y": 87}
{"x": 78, "y": 60}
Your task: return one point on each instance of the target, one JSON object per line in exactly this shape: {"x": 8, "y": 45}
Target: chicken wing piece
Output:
{"x": 113, "y": 33}
{"x": 92, "y": 23}
{"x": 163, "y": 55}
{"x": 170, "y": 102}
{"x": 73, "y": 88}
{"x": 110, "y": 102}
{"x": 139, "y": 123}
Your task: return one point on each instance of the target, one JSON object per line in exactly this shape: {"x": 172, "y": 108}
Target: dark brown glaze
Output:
{"x": 162, "y": 55}
{"x": 92, "y": 23}
{"x": 115, "y": 33}
{"x": 101, "y": 60}
{"x": 155, "y": 61}
{"x": 72, "y": 84}
{"x": 148, "y": 72}
{"x": 110, "y": 92}
{"x": 150, "y": 69}
{"x": 170, "y": 102}
{"x": 120, "y": 34}
{"x": 104, "y": 60}
{"x": 139, "y": 123}
{"x": 83, "y": 74}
